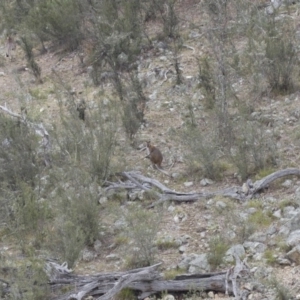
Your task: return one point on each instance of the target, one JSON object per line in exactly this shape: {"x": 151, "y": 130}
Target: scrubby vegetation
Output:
{"x": 49, "y": 199}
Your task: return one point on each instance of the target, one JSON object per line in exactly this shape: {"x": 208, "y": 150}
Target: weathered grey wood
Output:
{"x": 126, "y": 280}
{"x": 105, "y": 284}
{"x": 264, "y": 182}
{"x": 235, "y": 192}
{"x": 130, "y": 177}
{"x": 148, "y": 281}
{"x": 215, "y": 283}
{"x": 152, "y": 181}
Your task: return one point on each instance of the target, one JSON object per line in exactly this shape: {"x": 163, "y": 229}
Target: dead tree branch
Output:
{"x": 146, "y": 282}
{"x": 246, "y": 192}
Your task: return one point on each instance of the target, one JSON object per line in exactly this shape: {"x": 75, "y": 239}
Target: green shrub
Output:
{"x": 27, "y": 47}
{"x": 70, "y": 241}
{"x": 29, "y": 213}
{"x": 133, "y": 107}
{"x": 259, "y": 218}
{"x": 126, "y": 294}
{"x": 59, "y": 21}
{"x": 79, "y": 204}
{"x": 203, "y": 153}
{"x": 288, "y": 202}
{"x": 269, "y": 256}
{"x": 282, "y": 292}
{"x": 88, "y": 147}
{"x": 18, "y": 152}
{"x": 171, "y": 274}
{"x": 165, "y": 244}
{"x": 27, "y": 279}
{"x": 207, "y": 82}
{"x": 281, "y": 59}
{"x": 142, "y": 227}
{"x": 218, "y": 248}
{"x": 254, "y": 150}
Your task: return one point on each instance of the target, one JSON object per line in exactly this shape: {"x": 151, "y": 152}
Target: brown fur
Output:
{"x": 155, "y": 155}
{"x": 10, "y": 45}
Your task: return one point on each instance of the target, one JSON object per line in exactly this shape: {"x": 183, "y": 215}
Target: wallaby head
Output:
{"x": 154, "y": 155}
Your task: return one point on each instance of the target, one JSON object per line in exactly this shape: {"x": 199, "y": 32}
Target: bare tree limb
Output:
{"x": 148, "y": 281}
{"x": 246, "y": 192}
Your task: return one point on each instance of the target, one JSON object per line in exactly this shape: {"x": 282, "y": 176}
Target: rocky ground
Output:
{"x": 273, "y": 249}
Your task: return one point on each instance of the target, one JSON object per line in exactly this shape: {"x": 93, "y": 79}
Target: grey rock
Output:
{"x": 206, "y": 181}
{"x": 88, "y": 255}
{"x": 194, "y": 34}
{"x": 245, "y": 188}
{"x": 162, "y": 45}
{"x": 258, "y": 237}
{"x": 182, "y": 249}
{"x": 97, "y": 246}
{"x": 103, "y": 200}
{"x": 255, "y": 247}
{"x": 283, "y": 261}
{"x": 297, "y": 193}
{"x": 176, "y": 175}
{"x": 221, "y": 204}
{"x": 257, "y": 257}
{"x": 180, "y": 217}
{"x": 141, "y": 195}
{"x": 184, "y": 264}
{"x": 251, "y": 210}
{"x": 236, "y": 250}
{"x": 294, "y": 255}
{"x": 289, "y": 212}
{"x": 120, "y": 224}
{"x": 287, "y": 183}
{"x": 285, "y": 229}
{"x": 184, "y": 239}
{"x": 122, "y": 58}
{"x": 153, "y": 96}
{"x": 262, "y": 272}
{"x": 199, "y": 264}
{"x": 271, "y": 230}
{"x": 134, "y": 195}
{"x": 293, "y": 238}
{"x": 171, "y": 208}
{"x": 188, "y": 184}
{"x": 295, "y": 222}
{"x": 210, "y": 202}
{"x": 277, "y": 214}
{"x": 112, "y": 257}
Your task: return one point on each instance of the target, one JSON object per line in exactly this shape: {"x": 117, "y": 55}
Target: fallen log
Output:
{"x": 144, "y": 281}
{"x": 247, "y": 191}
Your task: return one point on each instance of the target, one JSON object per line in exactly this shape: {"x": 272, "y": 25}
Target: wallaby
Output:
{"x": 10, "y": 45}
{"x": 81, "y": 107}
{"x": 154, "y": 155}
